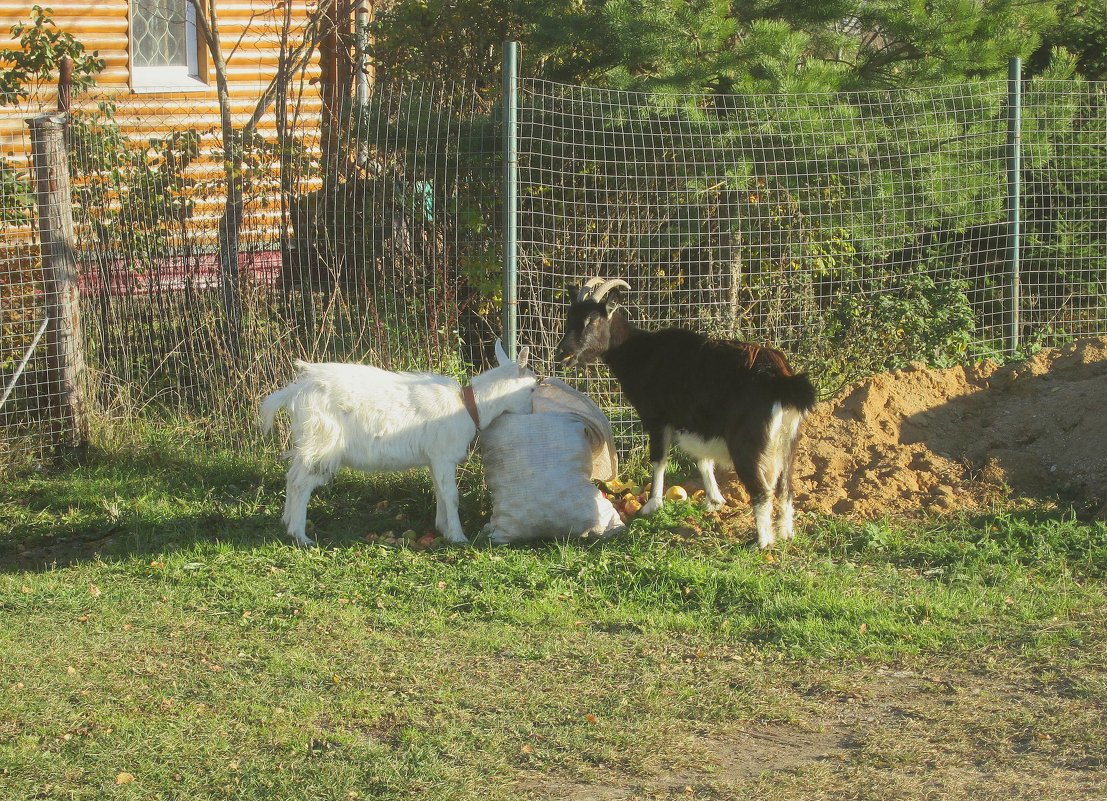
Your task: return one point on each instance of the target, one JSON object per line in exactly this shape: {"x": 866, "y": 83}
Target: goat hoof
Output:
{"x": 306, "y": 543}
{"x": 651, "y": 507}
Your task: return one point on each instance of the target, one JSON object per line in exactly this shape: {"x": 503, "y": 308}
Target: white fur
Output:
{"x": 763, "y": 517}
{"x": 781, "y": 430}
{"x": 772, "y": 460}
{"x": 707, "y": 453}
{"x": 359, "y": 416}
{"x": 714, "y": 450}
{"x": 786, "y": 520}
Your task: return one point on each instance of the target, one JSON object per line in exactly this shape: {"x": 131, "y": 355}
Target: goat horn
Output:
{"x": 607, "y": 286}
{"x": 586, "y": 290}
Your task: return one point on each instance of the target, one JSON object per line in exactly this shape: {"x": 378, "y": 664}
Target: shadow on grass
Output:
{"x": 154, "y": 501}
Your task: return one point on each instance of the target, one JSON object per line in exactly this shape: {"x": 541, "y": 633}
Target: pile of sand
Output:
{"x": 932, "y": 440}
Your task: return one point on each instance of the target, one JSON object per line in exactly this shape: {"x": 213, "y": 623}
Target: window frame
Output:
{"x": 191, "y": 77}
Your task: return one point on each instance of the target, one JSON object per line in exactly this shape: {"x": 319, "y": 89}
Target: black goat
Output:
{"x": 731, "y": 403}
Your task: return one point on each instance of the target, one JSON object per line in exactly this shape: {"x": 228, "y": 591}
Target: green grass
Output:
{"x": 154, "y": 622}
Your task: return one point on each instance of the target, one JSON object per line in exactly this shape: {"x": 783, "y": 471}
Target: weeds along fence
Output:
{"x": 372, "y": 238}
{"x": 857, "y": 231}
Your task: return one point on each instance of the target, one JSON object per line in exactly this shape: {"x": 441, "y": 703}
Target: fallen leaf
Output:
{"x": 527, "y": 749}
{"x": 864, "y": 628}
{"x": 94, "y": 591}
{"x": 590, "y": 718}
{"x": 25, "y": 590}
{"x": 72, "y": 671}
{"x": 124, "y": 778}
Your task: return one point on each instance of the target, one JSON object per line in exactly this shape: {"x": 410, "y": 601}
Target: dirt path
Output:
{"x": 887, "y": 734}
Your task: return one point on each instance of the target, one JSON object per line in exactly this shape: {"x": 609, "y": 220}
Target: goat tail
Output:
{"x": 796, "y": 392}
{"x": 274, "y": 403}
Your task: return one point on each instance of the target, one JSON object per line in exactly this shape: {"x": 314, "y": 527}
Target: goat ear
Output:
{"x": 524, "y": 354}
{"x": 501, "y": 355}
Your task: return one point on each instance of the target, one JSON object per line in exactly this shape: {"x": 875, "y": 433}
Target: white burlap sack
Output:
{"x": 539, "y": 469}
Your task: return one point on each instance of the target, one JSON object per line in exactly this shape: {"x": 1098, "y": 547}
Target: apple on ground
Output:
{"x": 676, "y": 493}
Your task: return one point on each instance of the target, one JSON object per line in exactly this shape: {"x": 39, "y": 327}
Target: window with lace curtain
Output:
{"x": 165, "y": 46}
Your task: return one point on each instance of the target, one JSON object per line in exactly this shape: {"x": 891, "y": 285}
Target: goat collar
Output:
{"x": 470, "y": 404}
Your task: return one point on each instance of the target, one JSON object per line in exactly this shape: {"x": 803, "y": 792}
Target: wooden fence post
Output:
{"x": 65, "y": 361}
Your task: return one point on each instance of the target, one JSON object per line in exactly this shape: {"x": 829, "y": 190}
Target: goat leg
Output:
{"x": 301, "y": 481}
{"x": 659, "y": 455}
{"x": 447, "y": 518}
{"x": 713, "y": 498}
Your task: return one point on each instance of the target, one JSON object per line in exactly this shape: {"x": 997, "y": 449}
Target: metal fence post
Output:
{"x": 511, "y": 196}
{"x": 64, "y": 344}
{"x": 1014, "y": 187}
{"x": 361, "y": 38}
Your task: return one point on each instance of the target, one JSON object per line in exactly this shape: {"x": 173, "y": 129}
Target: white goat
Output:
{"x": 352, "y": 415}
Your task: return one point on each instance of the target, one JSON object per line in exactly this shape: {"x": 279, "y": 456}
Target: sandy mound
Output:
{"x": 934, "y": 440}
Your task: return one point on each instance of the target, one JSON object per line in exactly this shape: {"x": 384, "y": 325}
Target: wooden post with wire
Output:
{"x": 65, "y": 360}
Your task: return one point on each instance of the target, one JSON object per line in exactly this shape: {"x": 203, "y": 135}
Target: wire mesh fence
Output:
{"x": 856, "y": 231}
{"x": 1064, "y": 210}
{"x": 26, "y": 417}
{"x": 374, "y": 239}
